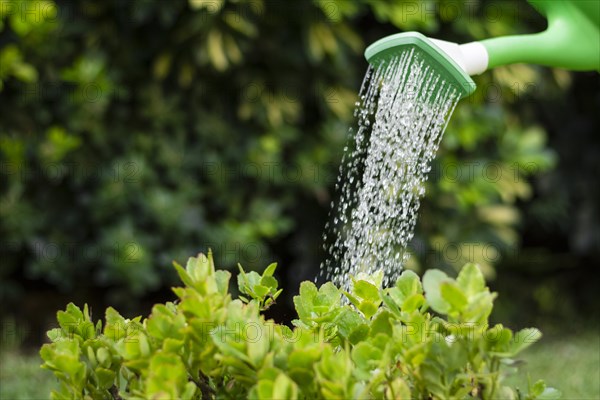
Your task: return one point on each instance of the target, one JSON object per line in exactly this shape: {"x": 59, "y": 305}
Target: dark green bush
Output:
{"x": 428, "y": 340}
{"x": 134, "y": 133}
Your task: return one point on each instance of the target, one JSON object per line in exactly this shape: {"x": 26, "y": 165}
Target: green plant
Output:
{"x": 416, "y": 339}
{"x": 134, "y": 134}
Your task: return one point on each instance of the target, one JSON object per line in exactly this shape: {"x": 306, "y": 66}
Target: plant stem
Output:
{"x": 114, "y": 392}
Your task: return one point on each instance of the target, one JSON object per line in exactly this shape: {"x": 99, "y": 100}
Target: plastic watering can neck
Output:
{"x": 571, "y": 41}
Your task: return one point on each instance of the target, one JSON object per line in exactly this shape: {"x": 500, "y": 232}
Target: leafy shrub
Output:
{"x": 426, "y": 339}
{"x": 135, "y": 133}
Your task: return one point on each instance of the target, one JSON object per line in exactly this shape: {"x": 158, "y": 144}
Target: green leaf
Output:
{"x": 368, "y": 308}
{"x": 304, "y": 302}
{"x": 269, "y": 282}
{"x": 398, "y": 389}
{"x": 106, "y": 377}
{"x": 328, "y": 296}
{"x": 498, "y": 338}
{"x": 471, "y": 280}
{"x": 434, "y": 378}
{"x": 116, "y": 327}
{"x": 247, "y": 281}
{"x": 537, "y": 388}
{"x": 260, "y": 291}
{"x": 284, "y": 388}
{"x": 171, "y": 345}
{"x": 480, "y": 307}
{"x": 550, "y": 393}
{"x": 104, "y": 357}
{"x": 92, "y": 357}
{"x": 222, "y": 278}
{"x": 258, "y": 348}
{"x": 270, "y": 270}
{"x": 198, "y": 268}
{"x": 507, "y": 393}
{"x": 523, "y": 339}
{"x": 163, "y": 323}
{"x": 353, "y": 299}
{"x": 453, "y": 295}
{"x": 359, "y": 333}
{"x": 390, "y": 304}
{"x": 304, "y": 358}
{"x": 413, "y": 302}
{"x": 347, "y": 321}
{"x": 432, "y": 281}
{"x": 183, "y": 275}
{"x": 55, "y": 334}
{"x": 366, "y": 291}
{"x": 409, "y": 283}
{"x": 262, "y": 390}
{"x": 69, "y": 320}
{"x": 381, "y": 324}
{"x": 211, "y": 5}
{"x": 189, "y": 391}
{"x": 222, "y": 339}
{"x": 365, "y": 355}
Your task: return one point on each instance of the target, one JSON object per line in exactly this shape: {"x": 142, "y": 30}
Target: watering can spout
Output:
{"x": 571, "y": 41}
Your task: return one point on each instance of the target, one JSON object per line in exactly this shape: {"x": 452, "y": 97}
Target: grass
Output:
{"x": 571, "y": 365}
{"x": 22, "y": 378}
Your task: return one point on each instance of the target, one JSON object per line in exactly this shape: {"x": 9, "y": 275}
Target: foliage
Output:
{"x": 135, "y": 133}
{"x": 22, "y": 377}
{"x": 387, "y": 344}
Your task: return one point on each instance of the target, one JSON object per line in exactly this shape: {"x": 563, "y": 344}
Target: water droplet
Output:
{"x": 403, "y": 108}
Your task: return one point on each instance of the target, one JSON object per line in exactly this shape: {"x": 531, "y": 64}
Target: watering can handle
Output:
{"x": 571, "y": 41}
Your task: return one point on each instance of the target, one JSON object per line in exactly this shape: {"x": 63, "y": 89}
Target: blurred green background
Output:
{"x": 135, "y": 133}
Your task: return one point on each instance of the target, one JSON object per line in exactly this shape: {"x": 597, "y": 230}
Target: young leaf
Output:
{"x": 366, "y": 291}
{"x": 347, "y": 321}
{"x": 269, "y": 281}
{"x": 471, "y": 280}
{"x": 304, "y": 302}
{"x": 413, "y": 302}
{"x": 222, "y": 278}
{"x": 104, "y": 357}
{"x": 284, "y": 388}
{"x": 70, "y": 318}
{"x": 523, "y": 339}
{"x": 106, "y": 377}
{"x": 537, "y": 388}
{"x": 409, "y": 283}
{"x": 365, "y": 355}
{"x": 398, "y": 389}
{"x": 270, "y": 270}
{"x": 432, "y": 281}
{"x": 550, "y": 393}
{"x": 381, "y": 324}
{"x": 328, "y": 296}
{"x": 368, "y": 308}
{"x": 453, "y": 295}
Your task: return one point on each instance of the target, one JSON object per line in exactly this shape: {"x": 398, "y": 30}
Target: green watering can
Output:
{"x": 571, "y": 41}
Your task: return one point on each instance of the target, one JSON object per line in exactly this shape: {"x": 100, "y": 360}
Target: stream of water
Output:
{"x": 403, "y": 110}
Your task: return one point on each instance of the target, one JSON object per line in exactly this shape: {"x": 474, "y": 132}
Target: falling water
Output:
{"x": 403, "y": 110}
